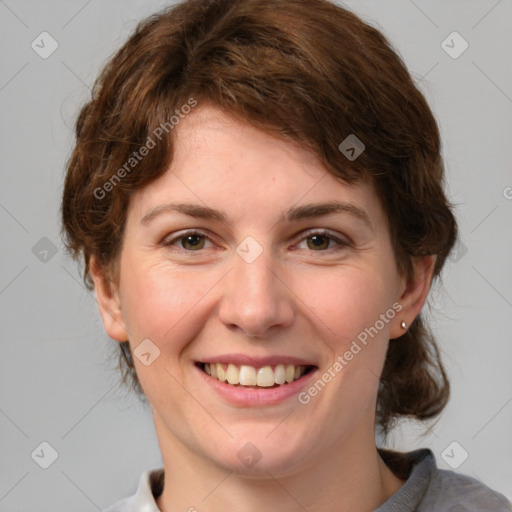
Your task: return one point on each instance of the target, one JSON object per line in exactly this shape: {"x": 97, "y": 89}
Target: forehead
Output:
{"x": 208, "y": 132}
{"x": 227, "y": 164}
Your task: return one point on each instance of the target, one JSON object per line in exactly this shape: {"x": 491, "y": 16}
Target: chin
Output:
{"x": 260, "y": 457}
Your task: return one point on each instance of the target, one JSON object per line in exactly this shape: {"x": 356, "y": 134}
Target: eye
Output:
{"x": 192, "y": 241}
{"x": 320, "y": 241}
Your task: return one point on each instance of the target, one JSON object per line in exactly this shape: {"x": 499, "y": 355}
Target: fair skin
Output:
{"x": 305, "y": 296}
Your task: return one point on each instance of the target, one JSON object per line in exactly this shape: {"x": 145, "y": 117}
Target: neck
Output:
{"x": 351, "y": 476}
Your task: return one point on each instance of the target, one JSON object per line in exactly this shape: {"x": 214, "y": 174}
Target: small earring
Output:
{"x": 403, "y": 325}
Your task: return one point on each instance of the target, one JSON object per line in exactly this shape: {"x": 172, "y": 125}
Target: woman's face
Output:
{"x": 226, "y": 260}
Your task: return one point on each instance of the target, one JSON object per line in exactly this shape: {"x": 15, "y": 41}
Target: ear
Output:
{"x": 107, "y": 297}
{"x": 413, "y": 294}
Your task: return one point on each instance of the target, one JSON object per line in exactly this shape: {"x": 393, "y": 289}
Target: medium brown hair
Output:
{"x": 305, "y": 70}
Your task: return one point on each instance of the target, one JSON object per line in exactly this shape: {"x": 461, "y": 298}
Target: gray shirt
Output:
{"x": 426, "y": 489}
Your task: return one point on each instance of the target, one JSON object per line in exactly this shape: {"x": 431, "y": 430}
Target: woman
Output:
{"x": 257, "y": 193}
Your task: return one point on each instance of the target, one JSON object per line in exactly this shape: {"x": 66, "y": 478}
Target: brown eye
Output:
{"x": 322, "y": 241}
{"x": 189, "y": 242}
{"x": 192, "y": 242}
{"x": 318, "y": 242}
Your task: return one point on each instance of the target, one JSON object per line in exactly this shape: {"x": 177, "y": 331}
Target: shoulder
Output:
{"x": 120, "y": 506}
{"x": 428, "y": 488}
{"x": 455, "y": 492}
{"x": 149, "y": 488}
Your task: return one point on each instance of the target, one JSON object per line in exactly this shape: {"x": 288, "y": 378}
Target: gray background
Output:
{"x": 57, "y": 382}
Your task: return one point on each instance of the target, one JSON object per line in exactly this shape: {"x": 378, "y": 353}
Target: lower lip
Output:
{"x": 256, "y": 397}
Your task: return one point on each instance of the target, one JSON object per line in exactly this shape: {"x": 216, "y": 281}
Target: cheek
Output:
{"x": 346, "y": 301}
{"x": 158, "y": 301}
{"x": 162, "y": 304}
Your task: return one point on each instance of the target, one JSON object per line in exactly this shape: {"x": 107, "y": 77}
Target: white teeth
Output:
{"x": 280, "y": 374}
{"x": 233, "y": 374}
{"x": 265, "y": 377}
{"x": 221, "y": 374}
{"x": 245, "y": 375}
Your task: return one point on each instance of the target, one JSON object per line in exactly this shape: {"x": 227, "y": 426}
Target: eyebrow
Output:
{"x": 294, "y": 214}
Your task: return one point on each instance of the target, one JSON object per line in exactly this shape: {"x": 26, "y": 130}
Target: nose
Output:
{"x": 256, "y": 300}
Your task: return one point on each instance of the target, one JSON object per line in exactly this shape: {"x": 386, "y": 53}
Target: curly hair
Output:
{"x": 304, "y": 70}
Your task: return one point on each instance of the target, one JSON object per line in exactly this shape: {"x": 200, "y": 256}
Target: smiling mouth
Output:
{"x": 269, "y": 376}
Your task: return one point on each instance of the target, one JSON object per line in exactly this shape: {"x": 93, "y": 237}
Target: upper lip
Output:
{"x": 257, "y": 362}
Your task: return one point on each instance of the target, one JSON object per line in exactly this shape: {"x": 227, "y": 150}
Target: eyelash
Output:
{"x": 310, "y": 234}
